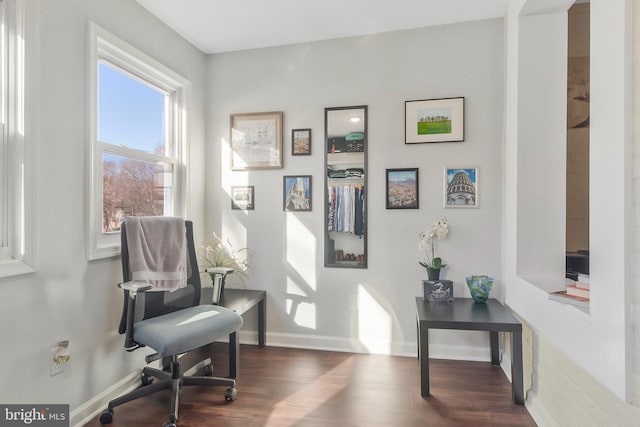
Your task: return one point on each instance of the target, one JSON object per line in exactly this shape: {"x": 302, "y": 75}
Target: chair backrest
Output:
{"x": 156, "y": 303}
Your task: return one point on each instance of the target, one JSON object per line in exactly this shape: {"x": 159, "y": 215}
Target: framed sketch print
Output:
{"x": 461, "y": 187}
{"x": 256, "y": 141}
{"x": 434, "y": 120}
{"x": 296, "y": 194}
{"x": 402, "y": 188}
{"x": 242, "y": 198}
{"x": 301, "y": 142}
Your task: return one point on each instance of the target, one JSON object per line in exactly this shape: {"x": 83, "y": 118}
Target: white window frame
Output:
{"x": 16, "y": 197}
{"x": 116, "y": 53}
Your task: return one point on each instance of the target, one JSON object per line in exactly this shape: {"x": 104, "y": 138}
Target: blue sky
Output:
{"x": 433, "y": 112}
{"x": 129, "y": 112}
{"x": 398, "y": 176}
{"x": 471, "y": 172}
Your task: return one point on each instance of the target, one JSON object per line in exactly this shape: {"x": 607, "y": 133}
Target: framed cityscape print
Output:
{"x": 301, "y": 142}
{"x": 402, "y": 189}
{"x": 242, "y": 198}
{"x": 461, "y": 187}
{"x": 434, "y": 120}
{"x": 296, "y": 193}
{"x": 256, "y": 141}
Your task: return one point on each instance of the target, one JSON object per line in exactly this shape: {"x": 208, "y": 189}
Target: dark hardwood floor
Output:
{"x": 292, "y": 387}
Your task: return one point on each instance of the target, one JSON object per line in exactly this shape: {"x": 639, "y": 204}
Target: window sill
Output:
{"x": 14, "y": 268}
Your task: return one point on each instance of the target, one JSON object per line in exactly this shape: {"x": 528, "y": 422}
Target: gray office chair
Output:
{"x": 171, "y": 323}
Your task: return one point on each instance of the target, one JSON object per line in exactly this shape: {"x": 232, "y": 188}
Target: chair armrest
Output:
{"x": 135, "y": 287}
{"x": 131, "y": 290}
{"x": 219, "y": 270}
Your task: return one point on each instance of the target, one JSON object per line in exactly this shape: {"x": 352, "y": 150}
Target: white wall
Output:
{"x": 635, "y": 210}
{"x": 598, "y": 342}
{"x": 312, "y": 306}
{"x": 68, "y": 297}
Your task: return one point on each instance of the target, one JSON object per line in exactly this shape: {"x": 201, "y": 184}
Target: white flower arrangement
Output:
{"x": 439, "y": 230}
{"x": 216, "y": 253}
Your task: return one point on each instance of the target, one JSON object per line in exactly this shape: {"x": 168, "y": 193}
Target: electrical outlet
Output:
{"x": 55, "y": 368}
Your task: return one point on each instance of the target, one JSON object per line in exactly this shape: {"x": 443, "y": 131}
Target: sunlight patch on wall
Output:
{"x": 374, "y": 323}
{"x": 301, "y": 250}
{"x": 227, "y": 176}
{"x": 294, "y": 289}
{"x": 234, "y": 236}
{"x": 303, "y": 313}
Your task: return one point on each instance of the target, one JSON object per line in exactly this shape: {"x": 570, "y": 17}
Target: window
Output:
{"x": 15, "y": 244}
{"x": 137, "y": 140}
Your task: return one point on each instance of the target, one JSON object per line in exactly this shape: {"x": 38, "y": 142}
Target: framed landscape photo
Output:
{"x": 242, "y": 197}
{"x": 461, "y": 187}
{"x": 434, "y": 120}
{"x": 256, "y": 141}
{"x": 402, "y": 189}
{"x": 296, "y": 193}
{"x": 301, "y": 142}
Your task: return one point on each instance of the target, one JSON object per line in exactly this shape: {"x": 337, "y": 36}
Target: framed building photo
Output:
{"x": 296, "y": 194}
{"x": 434, "y": 120}
{"x": 256, "y": 141}
{"x": 461, "y": 187}
{"x": 301, "y": 142}
{"x": 402, "y": 188}
{"x": 242, "y": 198}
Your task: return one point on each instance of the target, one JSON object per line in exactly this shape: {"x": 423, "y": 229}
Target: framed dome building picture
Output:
{"x": 461, "y": 187}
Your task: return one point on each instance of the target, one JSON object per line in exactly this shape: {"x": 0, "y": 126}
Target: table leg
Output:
{"x": 495, "y": 348}
{"x": 418, "y": 335}
{"x": 234, "y": 355}
{"x": 516, "y": 368}
{"x": 423, "y": 334}
{"x": 262, "y": 322}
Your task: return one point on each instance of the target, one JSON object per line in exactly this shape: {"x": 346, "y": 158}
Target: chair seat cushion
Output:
{"x": 187, "y": 329}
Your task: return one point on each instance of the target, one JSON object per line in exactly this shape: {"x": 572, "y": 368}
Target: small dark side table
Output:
{"x": 240, "y": 301}
{"x": 465, "y": 314}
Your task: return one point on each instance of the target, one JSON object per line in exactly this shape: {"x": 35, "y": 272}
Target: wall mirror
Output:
{"x": 345, "y": 130}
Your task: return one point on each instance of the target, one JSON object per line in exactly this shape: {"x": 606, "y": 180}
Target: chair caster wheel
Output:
{"x": 208, "y": 371}
{"x": 106, "y": 417}
{"x": 145, "y": 379}
{"x": 231, "y": 394}
{"x": 169, "y": 424}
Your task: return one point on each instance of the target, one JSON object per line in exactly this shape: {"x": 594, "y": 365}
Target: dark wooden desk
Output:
{"x": 465, "y": 314}
{"x": 241, "y": 301}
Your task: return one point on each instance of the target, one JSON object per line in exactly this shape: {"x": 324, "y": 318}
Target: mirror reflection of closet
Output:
{"x": 345, "y": 130}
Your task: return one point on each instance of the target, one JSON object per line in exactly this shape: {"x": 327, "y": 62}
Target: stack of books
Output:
{"x": 580, "y": 288}
{"x": 576, "y": 293}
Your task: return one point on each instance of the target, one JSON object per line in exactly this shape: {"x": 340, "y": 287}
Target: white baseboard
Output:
{"x": 537, "y": 410}
{"x": 90, "y": 409}
{"x": 314, "y": 342}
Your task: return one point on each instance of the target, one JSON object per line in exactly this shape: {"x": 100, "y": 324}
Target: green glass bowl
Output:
{"x": 479, "y": 286}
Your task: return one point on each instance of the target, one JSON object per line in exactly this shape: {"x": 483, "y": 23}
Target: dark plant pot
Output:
{"x": 433, "y": 273}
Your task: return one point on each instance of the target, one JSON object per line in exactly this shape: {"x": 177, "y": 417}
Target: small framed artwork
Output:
{"x": 296, "y": 194}
{"x": 402, "y": 188}
{"x": 256, "y": 141}
{"x": 461, "y": 187}
{"x": 242, "y": 198}
{"x": 434, "y": 120}
{"x": 301, "y": 142}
